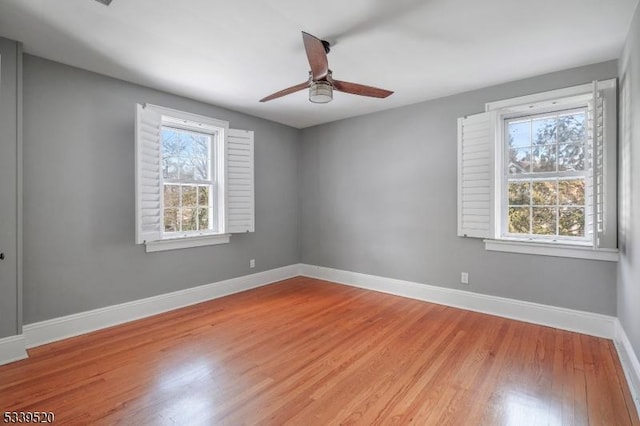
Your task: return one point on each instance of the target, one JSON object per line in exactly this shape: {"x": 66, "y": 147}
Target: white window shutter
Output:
{"x": 240, "y": 183}
{"x": 595, "y": 185}
{"x": 601, "y": 223}
{"x": 148, "y": 175}
{"x": 476, "y": 171}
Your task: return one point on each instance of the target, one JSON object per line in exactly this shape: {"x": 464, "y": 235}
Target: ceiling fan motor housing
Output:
{"x": 320, "y": 92}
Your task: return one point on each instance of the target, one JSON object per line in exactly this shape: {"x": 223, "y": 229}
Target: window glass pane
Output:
{"x": 203, "y": 218}
{"x": 187, "y": 142}
{"x": 195, "y": 155}
{"x": 571, "y": 127}
{"x": 186, "y": 169}
{"x": 186, "y": 154}
{"x": 543, "y": 220}
{"x": 544, "y": 158}
{"x": 571, "y": 221}
{"x": 571, "y": 191}
{"x": 544, "y": 193}
{"x": 189, "y": 196}
{"x": 203, "y": 195}
{"x": 544, "y": 131}
{"x": 172, "y": 196}
{"x": 519, "y": 220}
{"x": 200, "y": 168}
{"x": 189, "y": 222}
{"x": 171, "y": 143}
{"x": 571, "y": 156}
{"x": 171, "y": 220}
{"x": 200, "y": 158}
{"x": 519, "y": 193}
{"x": 519, "y": 161}
{"x": 519, "y": 134}
{"x": 170, "y": 167}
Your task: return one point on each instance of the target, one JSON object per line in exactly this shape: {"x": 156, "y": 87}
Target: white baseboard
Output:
{"x": 630, "y": 363}
{"x": 12, "y": 348}
{"x": 40, "y": 333}
{"x": 562, "y": 318}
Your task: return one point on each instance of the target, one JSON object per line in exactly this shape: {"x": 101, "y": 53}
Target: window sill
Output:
{"x": 186, "y": 242}
{"x": 557, "y": 250}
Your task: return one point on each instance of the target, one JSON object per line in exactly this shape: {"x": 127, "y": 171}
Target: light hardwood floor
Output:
{"x": 308, "y": 352}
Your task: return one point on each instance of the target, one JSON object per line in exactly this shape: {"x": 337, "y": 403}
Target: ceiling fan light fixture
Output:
{"x": 320, "y": 92}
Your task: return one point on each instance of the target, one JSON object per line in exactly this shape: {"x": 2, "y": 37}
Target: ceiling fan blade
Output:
{"x": 286, "y": 91}
{"x": 317, "y": 56}
{"x": 360, "y": 89}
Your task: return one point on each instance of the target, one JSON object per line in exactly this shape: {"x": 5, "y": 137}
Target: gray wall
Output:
{"x": 9, "y": 107}
{"x": 629, "y": 187}
{"x": 79, "y": 250}
{"x": 378, "y": 196}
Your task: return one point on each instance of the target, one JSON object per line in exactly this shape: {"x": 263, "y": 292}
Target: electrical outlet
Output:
{"x": 252, "y": 263}
{"x": 464, "y": 278}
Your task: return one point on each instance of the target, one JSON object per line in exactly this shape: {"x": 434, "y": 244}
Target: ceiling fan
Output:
{"x": 321, "y": 83}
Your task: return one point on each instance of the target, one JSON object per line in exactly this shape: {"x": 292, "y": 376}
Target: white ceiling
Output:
{"x": 232, "y": 53}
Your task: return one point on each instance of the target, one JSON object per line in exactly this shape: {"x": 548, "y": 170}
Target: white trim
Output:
{"x": 551, "y": 316}
{"x": 629, "y": 361}
{"x": 551, "y": 95}
{"x": 191, "y": 120}
{"x": 19, "y": 185}
{"x": 12, "y": 348}
{"x": 40, "y": 333}
{"x": 186, "y": 242}
{"x": 552, "y": 249}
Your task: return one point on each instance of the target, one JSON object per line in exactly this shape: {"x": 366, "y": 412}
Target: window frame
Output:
{"x": 216, "y": 195}
{"x": 218, "y": 129}
{"x": 476, "y": 223}
{"x": 503, "y": 178}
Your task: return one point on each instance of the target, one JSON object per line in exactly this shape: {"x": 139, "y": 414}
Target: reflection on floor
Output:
{"x": 308, "y": 352}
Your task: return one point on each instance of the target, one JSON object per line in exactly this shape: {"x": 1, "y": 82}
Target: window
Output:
{"x": 190, "y": 180}
{"x": 536, "y": 174}
{"x": 545, "y": 176}
{"x": 194, "y": 182}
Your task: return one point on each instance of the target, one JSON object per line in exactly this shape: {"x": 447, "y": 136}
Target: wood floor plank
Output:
{"x": 308, "y": 352}
{"x": 479, "y": 394}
